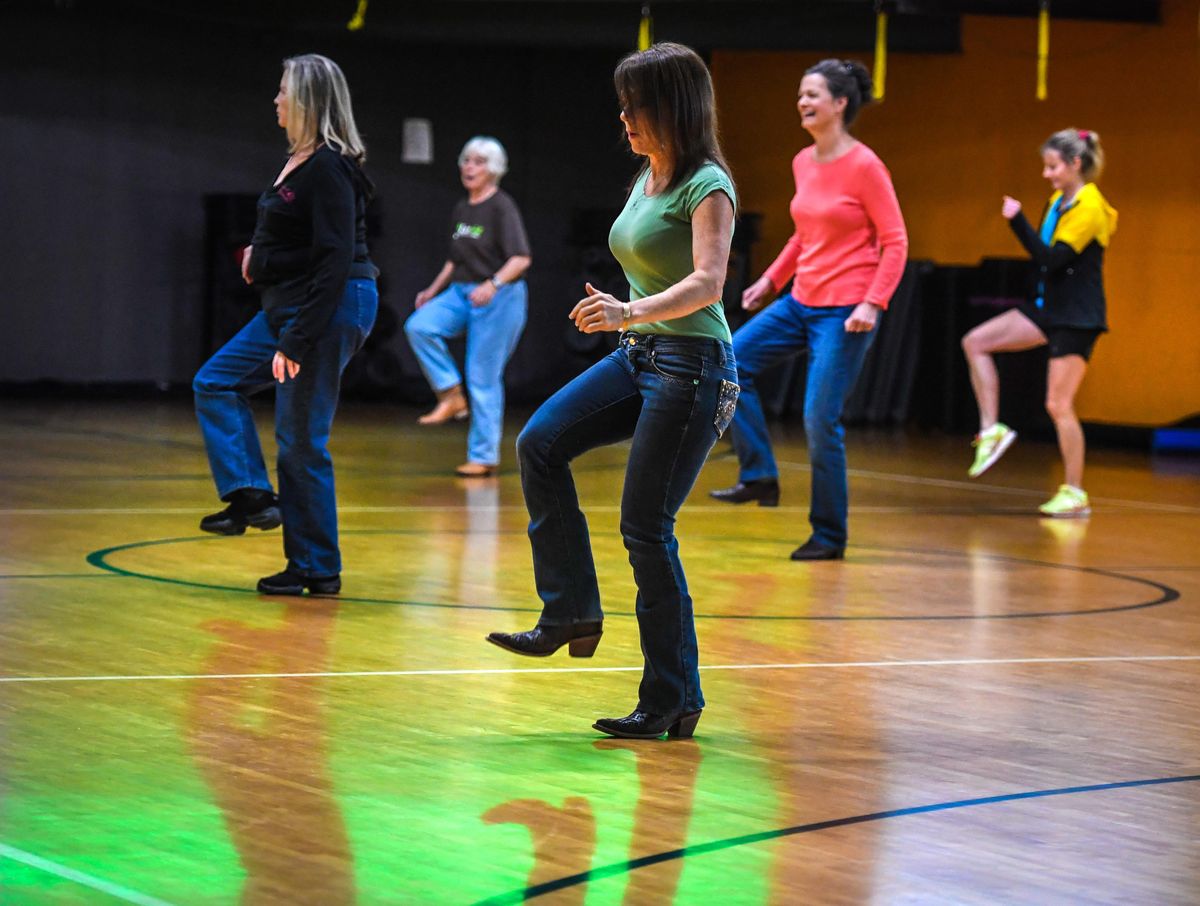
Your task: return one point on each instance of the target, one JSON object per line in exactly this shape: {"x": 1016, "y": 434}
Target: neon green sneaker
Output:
{"x": 1069, "y": 501}
{"x": 989, "y": 446}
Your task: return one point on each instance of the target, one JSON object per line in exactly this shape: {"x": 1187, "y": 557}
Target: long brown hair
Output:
{"x": 668, "y": 86}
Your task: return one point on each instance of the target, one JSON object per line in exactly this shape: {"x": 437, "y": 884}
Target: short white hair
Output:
{"x": 490, "y": 150}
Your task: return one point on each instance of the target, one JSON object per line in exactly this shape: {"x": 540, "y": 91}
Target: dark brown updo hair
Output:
{"x": 847, "y": 79}
{"x": 1078, "y": 144}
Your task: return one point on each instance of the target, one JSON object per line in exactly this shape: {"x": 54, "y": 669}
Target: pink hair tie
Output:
{"x": 1083, "y": 134}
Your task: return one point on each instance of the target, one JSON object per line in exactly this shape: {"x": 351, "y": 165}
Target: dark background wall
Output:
{"x": 119, "y": 117}
{"x": 115, "y": 125}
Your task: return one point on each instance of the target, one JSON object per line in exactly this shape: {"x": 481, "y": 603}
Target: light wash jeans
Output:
{"x": 492, "y": 332}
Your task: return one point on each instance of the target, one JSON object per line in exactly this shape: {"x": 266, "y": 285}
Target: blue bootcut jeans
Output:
{"x": 492, "y": 332}
{"x": 784, "y": 329}
{"x": 674, "y": 397}
{"x": 304, "y": 409}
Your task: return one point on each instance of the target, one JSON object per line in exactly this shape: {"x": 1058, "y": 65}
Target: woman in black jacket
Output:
{"x": 309, "y": 259}
{"x": 1067, "y": 311}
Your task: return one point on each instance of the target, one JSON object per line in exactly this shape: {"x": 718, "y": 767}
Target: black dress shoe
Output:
{"x": 814, "y": 550}
{"x": 641, "y": 725}
{"x": 247, "y": 506}
{"x": 765, "y": 491}
{"x": 290, "y": 583}
{"x": 543, "y": 641}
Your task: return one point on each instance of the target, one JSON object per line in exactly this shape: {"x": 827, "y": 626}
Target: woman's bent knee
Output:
{"x": 531, "y": 444}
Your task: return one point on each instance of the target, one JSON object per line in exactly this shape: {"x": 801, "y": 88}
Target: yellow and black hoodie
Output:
{"x": 1069, "y": 269}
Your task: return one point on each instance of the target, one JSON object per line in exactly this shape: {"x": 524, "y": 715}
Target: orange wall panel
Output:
{"x": 959, "y": 131}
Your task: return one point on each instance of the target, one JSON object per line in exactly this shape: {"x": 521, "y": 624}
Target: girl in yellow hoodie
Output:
{"x": 1066, "y": 310}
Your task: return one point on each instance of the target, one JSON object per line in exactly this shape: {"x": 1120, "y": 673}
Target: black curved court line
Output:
{"x": 620, "y": 868}
{"x": 1166, "y": 593}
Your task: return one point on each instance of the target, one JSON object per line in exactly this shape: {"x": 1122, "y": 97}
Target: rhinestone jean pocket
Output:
{"x": 727, "y": 398}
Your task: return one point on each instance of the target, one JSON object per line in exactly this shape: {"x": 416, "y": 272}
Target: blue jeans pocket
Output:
{"x": 727, "y": 397}
{"x": 680, "y": 367}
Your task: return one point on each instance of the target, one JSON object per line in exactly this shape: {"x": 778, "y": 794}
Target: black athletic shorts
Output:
{"x": 1071, "y": 341}
{"x": 1064, "y": 340}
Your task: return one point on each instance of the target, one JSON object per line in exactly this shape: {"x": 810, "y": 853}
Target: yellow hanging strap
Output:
{"x": 1043, "y": 48}
{"x": 645, "y": 29}
{"x": 360, "y": 17}
{"x": 880, "y": 77}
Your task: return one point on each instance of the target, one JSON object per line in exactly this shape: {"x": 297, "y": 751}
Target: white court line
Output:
{"x": 955, "y": 484}
{"x": 994, "y": 488}
{"x": 70, "y": 874}
{"x": 504, "y": 671}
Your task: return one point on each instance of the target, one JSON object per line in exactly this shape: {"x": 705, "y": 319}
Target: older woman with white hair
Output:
{"x": 479, "y": 293}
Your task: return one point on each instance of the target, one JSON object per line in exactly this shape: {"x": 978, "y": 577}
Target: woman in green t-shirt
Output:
{"x": 670, "y": 387}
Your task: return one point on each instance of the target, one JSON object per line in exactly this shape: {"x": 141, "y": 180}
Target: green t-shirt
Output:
{"x": 652, "y": 241}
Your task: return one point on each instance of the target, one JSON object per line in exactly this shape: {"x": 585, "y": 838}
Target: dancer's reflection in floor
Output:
{"x": 262, "y": 747}
{"x": 564, "y": 839}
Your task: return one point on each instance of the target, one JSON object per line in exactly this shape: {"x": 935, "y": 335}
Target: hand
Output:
{"x": 757, "y": 294}
{"x": 482, "y": 294}
{"x": 863, "y": 318}
{"x": 246, "y": 252}
{"x": 283, "y": 367}
{"x": 424, "y": 296}
{"x": 598, "y": 312}
{"x": 1011, "y": 207}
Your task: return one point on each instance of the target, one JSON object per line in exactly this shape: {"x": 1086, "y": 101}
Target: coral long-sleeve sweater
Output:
{"x": 850, "y": 243}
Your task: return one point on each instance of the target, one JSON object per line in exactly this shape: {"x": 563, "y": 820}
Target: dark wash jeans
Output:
{"x": 304, "y": 409}
{"x": 673, "y": 396}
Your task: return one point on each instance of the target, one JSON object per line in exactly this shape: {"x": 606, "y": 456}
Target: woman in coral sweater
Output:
{"x": 845, "y": 258}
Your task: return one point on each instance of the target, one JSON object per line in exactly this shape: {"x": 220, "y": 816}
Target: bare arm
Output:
{"x": 712, "y": 230}
{"x": 438, "y": 284}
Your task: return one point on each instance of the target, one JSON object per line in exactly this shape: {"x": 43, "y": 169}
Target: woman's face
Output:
{"x": 475, "y": 173}
{"x": 281, "y": 105}
{"x": 638, "y": 131}
{"x": 1060, "y": 173}
{"x": 817, "y": 107}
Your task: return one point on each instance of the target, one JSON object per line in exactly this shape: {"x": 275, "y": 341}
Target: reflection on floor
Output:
{"x": 873, "y": 726}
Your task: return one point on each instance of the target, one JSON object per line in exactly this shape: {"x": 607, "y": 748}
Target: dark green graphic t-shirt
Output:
{"x": 484, "y": 236}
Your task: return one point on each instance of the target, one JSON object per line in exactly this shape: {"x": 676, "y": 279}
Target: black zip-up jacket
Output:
{"x": 1070, "y": 269}
{"x": 310, "y": 238}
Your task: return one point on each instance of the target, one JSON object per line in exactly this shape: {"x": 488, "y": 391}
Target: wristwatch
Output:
{"x": 495, "y": 281}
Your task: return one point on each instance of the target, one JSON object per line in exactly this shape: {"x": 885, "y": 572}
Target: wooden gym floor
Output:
{"x": 976, "y": 706}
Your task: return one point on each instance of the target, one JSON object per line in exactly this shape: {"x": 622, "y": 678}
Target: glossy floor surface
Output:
{"x": 976, "y": 706}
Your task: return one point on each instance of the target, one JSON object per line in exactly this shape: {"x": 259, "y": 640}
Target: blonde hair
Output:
{"x": 1079, "y": 144}
{"x": 318, "y": 107}
{"x": 490, "y": 150}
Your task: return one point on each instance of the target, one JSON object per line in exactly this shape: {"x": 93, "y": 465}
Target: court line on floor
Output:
{"x": 1126, "y": 506}
{"x": 1166, "y": 594}
{"x": 58, "y": 575}
{"x": 506, "y": 671}
{"x": 621, "y": 868}
{"x": 79, "y": 877}
{"x": 958, "y": 484}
